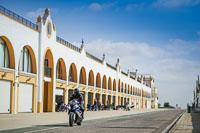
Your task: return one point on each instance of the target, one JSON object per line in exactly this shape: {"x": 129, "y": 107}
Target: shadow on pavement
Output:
{"x": 195, "y": 122}
{"x": 55, "y": 125}
{"x": 132, "y": 127}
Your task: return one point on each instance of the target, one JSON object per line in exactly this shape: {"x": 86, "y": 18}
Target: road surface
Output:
{"x": 154, "y": 122}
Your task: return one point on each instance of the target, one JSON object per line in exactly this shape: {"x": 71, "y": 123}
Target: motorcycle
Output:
{"x": 75, "y": 114}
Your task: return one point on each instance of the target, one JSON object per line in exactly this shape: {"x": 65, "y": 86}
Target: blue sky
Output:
{"x": 161, "y": 34}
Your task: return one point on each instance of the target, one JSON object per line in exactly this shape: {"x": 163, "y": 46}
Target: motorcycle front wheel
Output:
{"x": 71, "y": 119}
{"x": 79, "y": 123}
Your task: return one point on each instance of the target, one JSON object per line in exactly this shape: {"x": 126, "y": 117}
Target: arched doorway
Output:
{"x": 72, "y": 79}
{"x": 48, "y": 105}
{"x": 82, "y": 83}
{"x": 60, "y": 92}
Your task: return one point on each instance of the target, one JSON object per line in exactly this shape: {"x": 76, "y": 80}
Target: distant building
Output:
{"x": 154, "y": 97}
{"x": 197, "y": 96}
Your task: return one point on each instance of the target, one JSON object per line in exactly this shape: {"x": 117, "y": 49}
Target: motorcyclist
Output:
{"x": 78, "y": 97}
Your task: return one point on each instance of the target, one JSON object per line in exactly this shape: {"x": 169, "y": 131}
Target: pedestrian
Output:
{"x": 99, "y": 105}
{"x": 95, "y": 105}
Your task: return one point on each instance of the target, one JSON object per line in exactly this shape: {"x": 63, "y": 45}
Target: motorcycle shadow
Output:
{"x": 55, "y": 125}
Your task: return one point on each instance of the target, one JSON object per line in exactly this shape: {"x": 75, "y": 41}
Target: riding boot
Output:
{"x": 83, "y": 115}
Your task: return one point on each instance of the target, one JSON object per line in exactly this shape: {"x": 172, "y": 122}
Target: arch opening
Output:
{"x": 61, "y": 69}
{"x": 98, "y": 81}
{"x": 73, "y": 73}
{"x": 27, "y": 61}
{"x": 7, "y": 58}
{"x": 119, "y": 85}
{"x": 91, "y": 78}
{"x": 114, "y": 85}
{"x": 48, "y": 105}
{"x": 82, "y": 77}
{"x": 122, "y": 88}
{"x": 104, "y": 83}
{"x": 109, "y": 84}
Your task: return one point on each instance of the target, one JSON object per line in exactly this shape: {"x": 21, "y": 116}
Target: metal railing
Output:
{"x": 68, "y": 44}
{"x": 47, "y": 71}
{"x": 124, "y": 73}
{"x": 112, "y": 67}
{"x": 132, "y": 77}
{"x": 18, "y": 18}
{"x": 139, "y": 80}
{"x": 93, "y": 57}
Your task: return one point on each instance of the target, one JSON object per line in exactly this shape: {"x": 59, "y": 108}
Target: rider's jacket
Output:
{"x": 78, "y": 98}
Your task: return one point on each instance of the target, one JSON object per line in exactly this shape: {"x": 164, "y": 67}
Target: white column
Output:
{"x": 40, "y": 67}
{"x": 86, "y": 97}
{"x": 67, "y": 97}
{"x": 54, "y": 82}
{"x": 15, "y": 93}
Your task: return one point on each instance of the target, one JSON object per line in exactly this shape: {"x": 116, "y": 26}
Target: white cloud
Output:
{"x": 36, "y": 13}
{"x": 131, "y": 7}
{"x": 175, "y": 3}
{"x": 179, "y": 47}
{"x": 95, "y": 7}
{"x": 99, "y": 7}
{"x": 173, "y": 67}
{"x": 125, "y": 48}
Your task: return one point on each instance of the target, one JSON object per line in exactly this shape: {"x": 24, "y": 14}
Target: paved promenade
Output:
{"x": 188, "y": 123}
{"x": 9, "y": 121}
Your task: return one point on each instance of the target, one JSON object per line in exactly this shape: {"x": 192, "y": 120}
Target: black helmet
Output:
{"x": 76, "y": 91}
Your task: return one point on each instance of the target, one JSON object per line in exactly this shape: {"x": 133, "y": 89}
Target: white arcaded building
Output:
{"x": 39, "y": 69}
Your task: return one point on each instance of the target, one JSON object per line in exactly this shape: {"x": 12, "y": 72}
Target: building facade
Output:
{"x": 39, "y": 69}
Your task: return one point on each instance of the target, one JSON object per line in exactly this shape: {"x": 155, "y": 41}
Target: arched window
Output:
{"x": 73, "y": 73}
{"x": 104, "y": 83}
{"x": 82, "y": 78}
{"x": 4, "y": 55}
{"x": 91, "y": 78}
{"x": 59, "y": 70}
{"x": 98, "y": 80}
{"x": 119, "y": 85}
{"x": 25, "y": 63}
